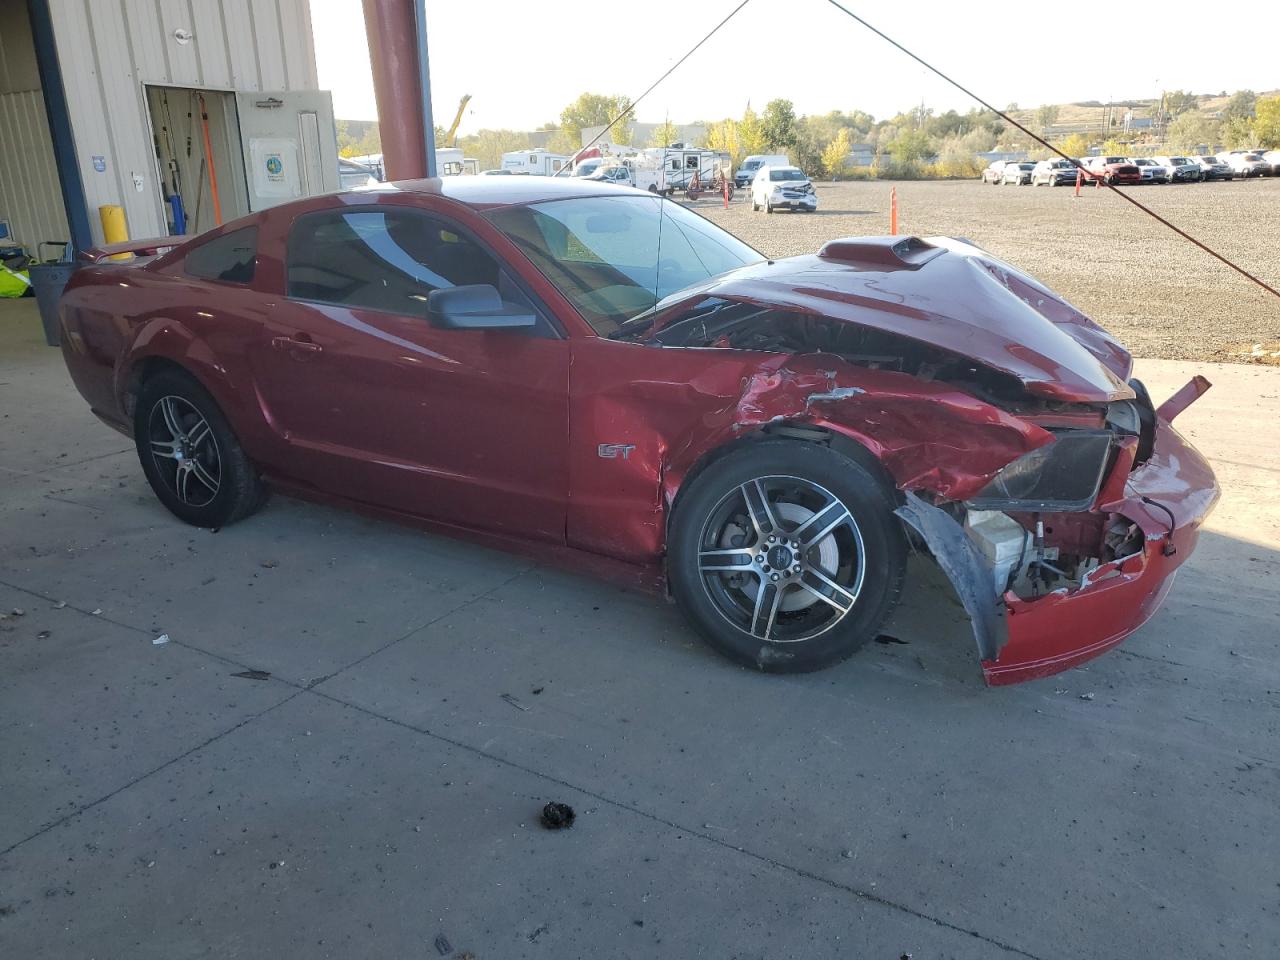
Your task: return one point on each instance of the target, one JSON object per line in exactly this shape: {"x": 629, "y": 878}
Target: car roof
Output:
{"x": 483, "y": 193}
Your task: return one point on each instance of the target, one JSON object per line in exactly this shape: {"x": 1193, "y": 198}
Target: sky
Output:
{"x": 522, "y": 62}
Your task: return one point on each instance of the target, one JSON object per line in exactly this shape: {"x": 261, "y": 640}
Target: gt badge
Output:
{"x": 611, "y": 451}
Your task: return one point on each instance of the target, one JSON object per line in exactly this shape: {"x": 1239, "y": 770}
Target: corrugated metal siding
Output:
{"x": 108, "y": 49}
{"x": 30, "y": 198}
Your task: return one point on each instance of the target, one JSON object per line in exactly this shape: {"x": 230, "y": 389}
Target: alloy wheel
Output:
{"x": 782, "y": 559}
{"x": 185, "y": 450}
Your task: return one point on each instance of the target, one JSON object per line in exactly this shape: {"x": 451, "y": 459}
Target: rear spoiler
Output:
{"x": 140, "y": 248}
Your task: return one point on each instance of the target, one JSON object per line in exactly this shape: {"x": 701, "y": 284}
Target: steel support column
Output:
{"x": 394, "y": 35}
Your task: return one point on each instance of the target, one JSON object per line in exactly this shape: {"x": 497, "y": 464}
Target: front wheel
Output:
{"x": 190, "y": 456}
{"x": 786, "y": 555}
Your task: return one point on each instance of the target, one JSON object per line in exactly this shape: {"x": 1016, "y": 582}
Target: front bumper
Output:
{"x": 1057, "y": 631}
{"x": 1167, "y": 498}
{"x": 789, "y": 201}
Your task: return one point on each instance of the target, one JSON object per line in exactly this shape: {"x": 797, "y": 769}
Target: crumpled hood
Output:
{"x": 943, "y": 292}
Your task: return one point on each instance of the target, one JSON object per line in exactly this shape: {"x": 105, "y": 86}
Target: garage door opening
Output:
{"x": 198, "y": 157}
{"x": 221, "y": 154}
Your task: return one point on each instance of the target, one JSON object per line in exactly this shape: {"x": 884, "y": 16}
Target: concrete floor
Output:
{"x": 378, "y": 792}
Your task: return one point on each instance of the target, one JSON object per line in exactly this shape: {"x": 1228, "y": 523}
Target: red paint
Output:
{"x": 497, "y": 436}
{"x": 1058, "y": 631}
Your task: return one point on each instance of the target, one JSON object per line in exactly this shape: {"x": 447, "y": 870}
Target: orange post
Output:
{"x": 1079, "y": 180}
{"x": 208, "y": 155}
{"x": 893, "y": 211}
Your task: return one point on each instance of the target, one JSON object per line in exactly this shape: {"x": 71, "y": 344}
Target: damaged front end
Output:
{"x": 1057, "y": 499}
{"x": 1074, "y": 546}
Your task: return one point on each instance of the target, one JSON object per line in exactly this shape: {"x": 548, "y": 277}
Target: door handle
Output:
{"x": 297, "y": 348}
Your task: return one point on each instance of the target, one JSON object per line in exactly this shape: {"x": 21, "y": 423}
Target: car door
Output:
{"x": 372, "y": 402}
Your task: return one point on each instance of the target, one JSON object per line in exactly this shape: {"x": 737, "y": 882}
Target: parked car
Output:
{"x": 776, "y": 188}
{"x": 1115, "y": 170}
{"x": 994, "y": 171}
{"x": 1273, "y": 157}
{"x": 751, "y": 166}
{"x": 1054, "y": 173}
{"x": 1181, "y": 169}
{"x": 1017, "y": 173}
{"x": 1211, "y": 168}
{"x": 1244, "y": 164}
{"x": 597, "y": 373}
{"x": 1152, "y": 171}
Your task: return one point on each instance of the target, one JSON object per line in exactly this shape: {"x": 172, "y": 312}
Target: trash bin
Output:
{"x": 48, "y": 281}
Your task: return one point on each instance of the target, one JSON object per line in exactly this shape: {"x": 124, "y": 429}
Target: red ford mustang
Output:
{"x": 601, "y": 373}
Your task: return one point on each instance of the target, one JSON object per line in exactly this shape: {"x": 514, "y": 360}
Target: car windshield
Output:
{"x": 1115, "y": 160}
{"x": 613, "y": 258}
{"x": 1062, "y": 164}
{"x": 1026, "y": 166}
{"x": 786, "y": 173}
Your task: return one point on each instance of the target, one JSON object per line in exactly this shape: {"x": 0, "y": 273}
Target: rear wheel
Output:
{"x": 786, "y": 556}
{"x": 190, "y": 456}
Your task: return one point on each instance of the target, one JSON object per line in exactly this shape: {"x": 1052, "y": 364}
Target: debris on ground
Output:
{"x": 557, "y": 816}
{"x": 18, "y": 612}
{"x": 269, "y": 564}
{"x": 61, "y": 604}
{"x": 514, "y": 702}
{"x": 253, "y": 675}
{"x": 443, "y": 947}
{"x": 537, "y": 690}
{"x": 886, "y": 640}
{"x": 1086, "y": 696}
{"x": 97, "y": 612}
{"x": 44, "y": 634}
{"x": 158, "y": 641}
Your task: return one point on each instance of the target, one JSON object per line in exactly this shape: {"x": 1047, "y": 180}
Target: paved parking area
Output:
{"x": 380, "y": 789}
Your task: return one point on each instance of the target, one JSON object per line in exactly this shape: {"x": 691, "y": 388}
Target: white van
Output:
{"x": 747, "y": 172}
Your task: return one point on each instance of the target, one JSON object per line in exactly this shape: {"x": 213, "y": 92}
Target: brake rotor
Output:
{"x": 794, "y": 515}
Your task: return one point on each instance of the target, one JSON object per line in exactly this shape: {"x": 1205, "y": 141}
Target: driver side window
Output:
{"x": 380, "y": 259}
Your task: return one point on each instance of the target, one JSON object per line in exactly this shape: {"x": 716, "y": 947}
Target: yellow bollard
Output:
{"x": 114, "y": 227}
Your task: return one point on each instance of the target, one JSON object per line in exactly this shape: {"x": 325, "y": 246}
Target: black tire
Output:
{"x": 210, "y": 467}
{"x": 865, "y": 556}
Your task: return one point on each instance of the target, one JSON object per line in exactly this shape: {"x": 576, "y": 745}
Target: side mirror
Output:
{"x": 476, "y": 306}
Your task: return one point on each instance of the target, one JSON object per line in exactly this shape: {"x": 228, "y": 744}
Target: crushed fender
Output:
{"x": 965, "y": 567}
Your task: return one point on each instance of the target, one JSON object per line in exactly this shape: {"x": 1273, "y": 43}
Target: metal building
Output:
{"x": 136, "y": 102}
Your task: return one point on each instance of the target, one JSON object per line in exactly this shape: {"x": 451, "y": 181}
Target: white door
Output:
{"x": 290, "y": 145}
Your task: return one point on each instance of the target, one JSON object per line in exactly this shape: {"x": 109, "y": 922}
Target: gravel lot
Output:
{"x": 1159, "y": 294}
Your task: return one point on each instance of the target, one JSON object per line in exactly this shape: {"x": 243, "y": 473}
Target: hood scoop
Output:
{"x": 881, "y": 253}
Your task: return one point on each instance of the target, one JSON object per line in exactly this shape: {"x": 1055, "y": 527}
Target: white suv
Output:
{"x": 777, "y": 187}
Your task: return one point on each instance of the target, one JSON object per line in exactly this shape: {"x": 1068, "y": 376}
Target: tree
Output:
{"x": 1241, "y": 105}
{"x": 1191, "y": 131}
{"x": 1076, "y": 145}
{"x": 1238, "y": 133}
{"x": 592, "y": 110}
{"x": 1266, "y": 126}
{"x": 665, "y": 134}
{"x": 1047, "y": 116}
{"x": 751, "y": 138}
{"x": 488, "y": 146}
{"x": 835, "y": 158}
{"x": 723, "y": 136}
{"x": 779, "y": 124}
{"x": 1179, "y": 102}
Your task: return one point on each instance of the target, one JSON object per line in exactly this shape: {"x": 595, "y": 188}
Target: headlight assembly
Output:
{"x": 1060, "y": 477}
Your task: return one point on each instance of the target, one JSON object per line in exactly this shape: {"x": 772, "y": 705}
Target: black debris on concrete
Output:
{"x": 558, "y": 816}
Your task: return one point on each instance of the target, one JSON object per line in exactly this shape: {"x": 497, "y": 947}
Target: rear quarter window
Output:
{"x": 229, "y": 258}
